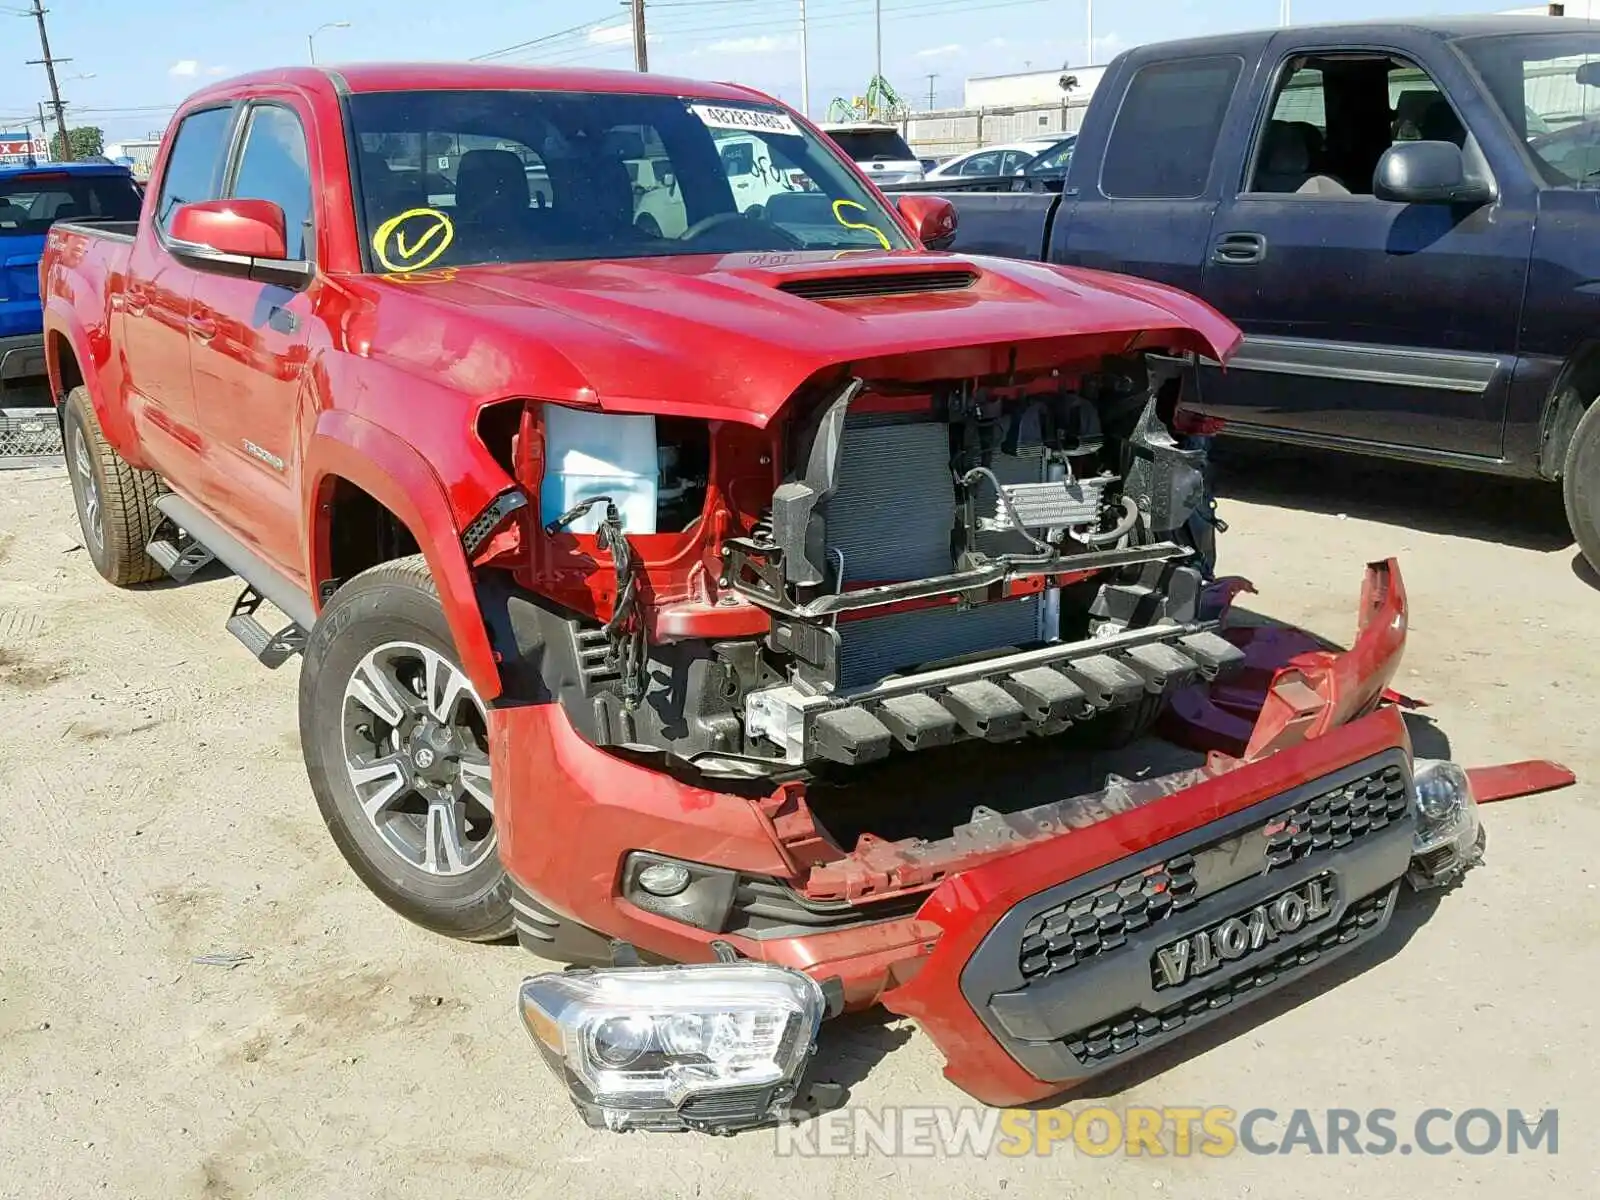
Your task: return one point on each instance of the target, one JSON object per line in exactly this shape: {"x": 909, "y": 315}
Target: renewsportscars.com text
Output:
{"x": 1178, "y": 1131}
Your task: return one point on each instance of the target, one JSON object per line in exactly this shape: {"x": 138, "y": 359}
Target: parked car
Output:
{"x": 32, "y": 198}
{"x": 1006, "y": 159}
{"x": 1047, "y": 169}
{"x": 1409, "y": 257}
{"x": 617, "y": 559}
{"x": 878, "y": 149}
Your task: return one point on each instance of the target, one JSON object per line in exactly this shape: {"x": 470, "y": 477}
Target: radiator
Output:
{"x": 890, "y": 519}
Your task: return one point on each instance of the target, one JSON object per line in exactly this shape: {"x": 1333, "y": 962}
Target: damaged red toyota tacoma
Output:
{"x": 739, "y": 602}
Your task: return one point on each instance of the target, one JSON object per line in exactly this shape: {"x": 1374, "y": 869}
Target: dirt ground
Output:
{"x": 153, "y": 809}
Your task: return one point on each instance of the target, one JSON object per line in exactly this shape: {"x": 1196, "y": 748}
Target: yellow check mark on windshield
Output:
{"x": 415, "y": 248}
{"x": 432, "y": 230}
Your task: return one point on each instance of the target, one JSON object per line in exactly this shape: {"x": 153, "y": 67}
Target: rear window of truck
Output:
{"x": 31, "y": 203}
{"x": 1166, "y": 131}
{"x": 867, "y": 145}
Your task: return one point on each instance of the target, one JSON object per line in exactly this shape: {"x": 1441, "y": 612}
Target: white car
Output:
{"x": 879, "y": 150}
{"x": 1005, "y": 159}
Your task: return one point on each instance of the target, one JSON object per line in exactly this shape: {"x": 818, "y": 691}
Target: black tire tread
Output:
{"x": 129, "y": 516}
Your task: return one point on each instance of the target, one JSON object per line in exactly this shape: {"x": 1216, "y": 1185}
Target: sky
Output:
{"x": 144, "y": 56}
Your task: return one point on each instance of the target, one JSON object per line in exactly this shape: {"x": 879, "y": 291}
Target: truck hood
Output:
{"x": 732, "y": 337}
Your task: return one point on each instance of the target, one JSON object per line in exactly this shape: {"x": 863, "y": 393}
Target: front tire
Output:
{"x": 395, "y": 739}
{"x": 1580, "y": 485}
{"x": 116, "y": 502}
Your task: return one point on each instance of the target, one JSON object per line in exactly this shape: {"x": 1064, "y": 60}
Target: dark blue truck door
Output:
{"x": 1366, "y": 320}
{"x": 1143, "y": 184}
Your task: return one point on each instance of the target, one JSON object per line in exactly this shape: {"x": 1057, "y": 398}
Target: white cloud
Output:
{"x": 184, "y": 68}
{"x": 611, "y": 35}
{"x": 998, "y": 43}
{"x": 752, "y": 45}
{"x": 946, "y": 51}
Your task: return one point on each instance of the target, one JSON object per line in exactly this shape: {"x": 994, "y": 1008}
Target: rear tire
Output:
{"x": 396, "y": 748}
{"x": 116, "y": 502}
{"x": 1580, "y": 484}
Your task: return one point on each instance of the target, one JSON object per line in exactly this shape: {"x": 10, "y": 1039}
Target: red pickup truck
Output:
{"x": 747, "y": 599}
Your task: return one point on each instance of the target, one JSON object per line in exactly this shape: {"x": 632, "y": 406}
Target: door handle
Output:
{"x": 1239, "y": 249}
{"x": 203, "y": 327}
{"x": 135, "y": 300}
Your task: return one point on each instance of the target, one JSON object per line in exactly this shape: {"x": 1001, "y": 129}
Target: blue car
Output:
{"x": 31, "y": 200}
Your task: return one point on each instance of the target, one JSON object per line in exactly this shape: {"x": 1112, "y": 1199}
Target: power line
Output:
{"x": 49, "y": 64}
{"x": 549, "y": 37}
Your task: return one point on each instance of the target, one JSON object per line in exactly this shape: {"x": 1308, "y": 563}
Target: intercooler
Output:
{"x": 890, "y": 519}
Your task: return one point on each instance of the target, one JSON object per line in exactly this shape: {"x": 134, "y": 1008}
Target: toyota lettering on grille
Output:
{"x": 1245, "y": 933}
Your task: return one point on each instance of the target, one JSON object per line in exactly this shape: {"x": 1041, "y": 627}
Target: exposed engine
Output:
{"x": 969, "y": 559}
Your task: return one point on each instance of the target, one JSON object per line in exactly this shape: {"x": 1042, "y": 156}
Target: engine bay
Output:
{"x": 964, "y": 559}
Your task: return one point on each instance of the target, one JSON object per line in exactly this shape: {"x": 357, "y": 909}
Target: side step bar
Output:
{"x": 206, "y": 540}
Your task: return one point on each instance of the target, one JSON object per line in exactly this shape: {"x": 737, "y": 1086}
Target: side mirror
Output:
{"x": 932, "y": 219}
{"x": 244, "y": 238}
{"x": 1588, "y": 74}
{"x": 1427, "y": 173}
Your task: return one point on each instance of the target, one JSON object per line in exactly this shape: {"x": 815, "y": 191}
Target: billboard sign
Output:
{"x": 17, "y": 148}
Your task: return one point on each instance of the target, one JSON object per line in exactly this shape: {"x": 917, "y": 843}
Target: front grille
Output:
{"x": 1123, "y": 1034}
{"x": 851, "y": 287}
{"x": 29, "y": 433}
{"x": 1099, "y": 921}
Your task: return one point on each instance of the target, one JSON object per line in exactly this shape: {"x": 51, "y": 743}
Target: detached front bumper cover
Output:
{"x": 714, "y": 1047}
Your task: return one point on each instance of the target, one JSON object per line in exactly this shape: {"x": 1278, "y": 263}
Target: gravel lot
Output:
{"x": 154, "y": 808}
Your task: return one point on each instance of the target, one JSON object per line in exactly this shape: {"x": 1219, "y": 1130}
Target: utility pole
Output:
{"x": 641, "y": 59}
{"x": 1088, "y": 37}
{"x": 877, "y": 11}
{"x": 49, "y": 65}
{"x": 805, "y": 66}
{"x": 932, "y": 75}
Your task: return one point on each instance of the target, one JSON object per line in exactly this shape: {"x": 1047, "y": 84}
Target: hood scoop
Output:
{"x": 896, "y": 283}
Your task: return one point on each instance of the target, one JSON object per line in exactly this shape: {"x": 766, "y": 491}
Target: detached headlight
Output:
{"x": 1449, "y": 837}
{"x": 713, "y": 1046}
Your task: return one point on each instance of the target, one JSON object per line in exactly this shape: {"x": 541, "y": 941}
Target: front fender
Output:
{"x": 345, "y": 446}
{"x": 61, "y": 322}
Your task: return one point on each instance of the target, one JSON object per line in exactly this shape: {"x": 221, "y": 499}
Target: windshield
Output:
{"x": 30, "y": 203}
{"x": 1548, "y": 86}
{"x": 458, "y": 178}
{"x": 868, "y": 145}
{"x": 1053, "y": 161}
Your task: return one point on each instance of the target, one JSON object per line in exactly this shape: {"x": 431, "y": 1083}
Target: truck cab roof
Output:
{"x": 1442, "y": 28}
{"x": 393, "y": 77}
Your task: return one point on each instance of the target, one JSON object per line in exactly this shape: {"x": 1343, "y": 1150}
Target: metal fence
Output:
{"x": 944, "y": 132}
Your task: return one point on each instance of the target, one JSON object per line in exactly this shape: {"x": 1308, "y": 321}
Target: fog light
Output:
{"x": 716, "y": 1046}
{"x": 694, "y": 893}
{"x": 663, "y": 878}
{"x": 1449, "y": 836}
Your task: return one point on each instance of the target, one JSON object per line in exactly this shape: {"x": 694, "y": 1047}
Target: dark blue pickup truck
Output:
{"x": 1404, "y": 219}
{"x": 32, "y": 198}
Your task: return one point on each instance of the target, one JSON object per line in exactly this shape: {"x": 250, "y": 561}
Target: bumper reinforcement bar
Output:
{"x": 997, "y": 699}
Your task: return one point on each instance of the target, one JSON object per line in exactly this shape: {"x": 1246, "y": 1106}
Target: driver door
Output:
{"x": 249, "y": 351}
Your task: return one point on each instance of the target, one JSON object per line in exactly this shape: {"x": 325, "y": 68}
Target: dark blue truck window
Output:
{"x": 29, "y": 203}
{"x": 1166, "y": 131}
